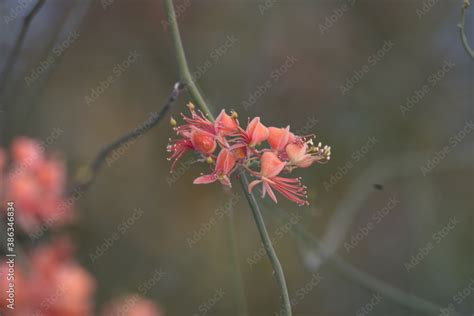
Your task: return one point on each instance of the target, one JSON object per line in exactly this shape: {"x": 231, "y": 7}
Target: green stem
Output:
{"x": 200, "y": 102}
{"x": 462, "y": 32}
{"x": 267, "y": 243}
{"x": 183, "y": 67}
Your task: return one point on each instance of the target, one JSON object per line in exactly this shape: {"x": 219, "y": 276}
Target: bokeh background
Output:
{"x": 386, "y": 83}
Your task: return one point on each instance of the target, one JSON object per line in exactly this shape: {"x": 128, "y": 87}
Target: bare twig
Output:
{"x": 12, "y": 58}
{"x": 88, "y": 174}
{"x": 71, "y": 20}
{"x": 462, "y": 32}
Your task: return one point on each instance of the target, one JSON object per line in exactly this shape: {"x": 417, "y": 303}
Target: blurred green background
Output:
{"x": 386, "y": 83}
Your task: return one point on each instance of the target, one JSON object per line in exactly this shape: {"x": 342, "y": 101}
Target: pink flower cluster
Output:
{"x": 54, "y": 283}
{"x": 35, "y": 182}
{"x": 47, "y": 279}
{"x": 229, "y": 148}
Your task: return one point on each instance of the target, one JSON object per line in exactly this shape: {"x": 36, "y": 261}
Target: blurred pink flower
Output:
{"x": 132, "y": 305}
{"x": 53, "y": 285}
{"x": 35, "y": 183}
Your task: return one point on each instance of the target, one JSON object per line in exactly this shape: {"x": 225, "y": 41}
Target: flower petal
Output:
{"x": 253, "y": 184}
{"x": 271, "y": 166}
{"x": 306, "y": 161}
{"x": 203, "y": 141}
{"x": 257, "y": 132}
{"x": 296, "y": 152}
{"x": 208, "y": 178}
{"x": 225, "y": 123}
{"x": 225, "y": 161}
{"x": 278, "y": 137}
{"x": 225, "y": 181}
{"x": 268, "y": 188}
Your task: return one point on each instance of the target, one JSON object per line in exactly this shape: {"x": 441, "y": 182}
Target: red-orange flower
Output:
{"x": 224, "y": 165}
{"x": 301, "y": 156}
{"x": 239, "y": 148}
{"x": 270, "y": 168}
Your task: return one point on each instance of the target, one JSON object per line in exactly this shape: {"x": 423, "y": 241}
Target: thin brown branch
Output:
{"x": 89, "y": 173}
{"x": 14, "y": 53}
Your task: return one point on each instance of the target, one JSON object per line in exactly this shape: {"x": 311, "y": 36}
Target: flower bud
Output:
{"x": 190, "y": 106}
{"x": 173, "y": 122}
